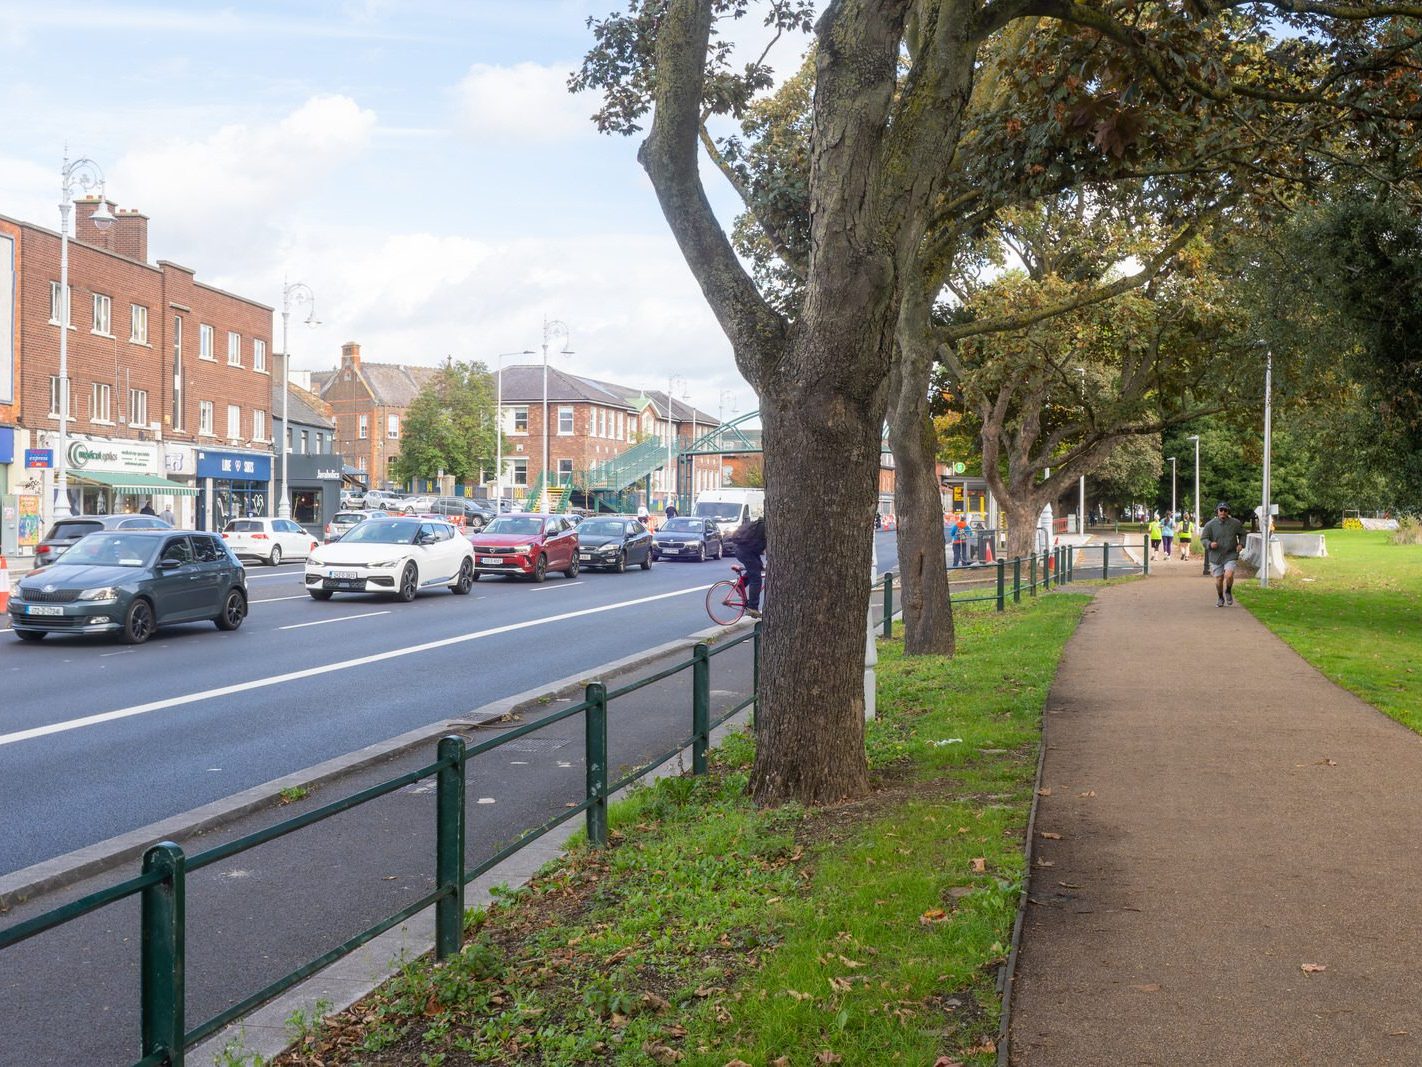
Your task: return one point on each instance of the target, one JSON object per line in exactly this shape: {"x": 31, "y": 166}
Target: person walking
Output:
{"x": 1223, "y": 537}
{"x": 1167, "y": 535}
{"x": 1154, "y": 532}
{"x": 1184, "y": 533}
{"x": 671, "y": 510}
{"x": 644, "y": 516}
{"x": 147, "y": 509}
{"x": 167, "y": 515}
{"x": 749, "y": 541}
{"x": 959, "y": 535}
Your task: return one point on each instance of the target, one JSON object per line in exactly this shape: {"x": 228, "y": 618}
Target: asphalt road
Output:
{"x": 97, "y": 739}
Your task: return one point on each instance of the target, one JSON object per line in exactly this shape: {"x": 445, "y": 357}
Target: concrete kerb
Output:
{"x": 72, "y": 867}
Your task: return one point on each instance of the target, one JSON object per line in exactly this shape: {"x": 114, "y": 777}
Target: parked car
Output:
{"x": 412, "y": 504}
{"x": 688, "y": 537}
{"x": 614, "y": 544}
{"x": 397, "y": 555}
{"x": 527, "y": 545}
{"x": 269, "y": 540}
{"x": 65, "y": 533}
{"x": 342, "y": 521}
{"x": 131, "y": 582}
{"x": 476, "y": 513}
{"x": 383, "y": 499}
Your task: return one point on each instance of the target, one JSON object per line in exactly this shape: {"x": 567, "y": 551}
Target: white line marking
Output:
{"x": 293, "y": 573}
{"x": 278, "y": 599}
{"x": 340, "y": 618}
{"x": 314, "y": 672}
{"x": 540, "y": 589}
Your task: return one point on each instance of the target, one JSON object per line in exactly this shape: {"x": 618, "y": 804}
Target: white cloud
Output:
{"x": 524, "y": 102}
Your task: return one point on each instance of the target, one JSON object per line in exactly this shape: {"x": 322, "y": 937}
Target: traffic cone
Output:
{"x": 987, "y": 551}
{"x": 4, "y": 585}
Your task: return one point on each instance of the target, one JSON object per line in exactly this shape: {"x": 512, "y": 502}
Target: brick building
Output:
{"x": 169, "y": 380}
{"x": 368, "y": 402}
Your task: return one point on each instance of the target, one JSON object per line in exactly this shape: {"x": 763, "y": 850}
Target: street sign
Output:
{"x": 39, "y": 458}
{"x": 959, "y": 468}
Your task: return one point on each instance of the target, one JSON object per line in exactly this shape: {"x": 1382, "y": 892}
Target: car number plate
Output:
{"x": 44, "y": 609}
{"x": 491, "y": 559}
{"x": 345, "y": 574}
{"x": 584, "y": 555}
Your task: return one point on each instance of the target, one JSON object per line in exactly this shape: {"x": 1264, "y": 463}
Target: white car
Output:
{"x": 271, "y": 540}
{"x": 395, "y": 555}
{"x": 414, "y": 504}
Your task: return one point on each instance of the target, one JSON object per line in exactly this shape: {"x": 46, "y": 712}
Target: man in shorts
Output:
{"x": 1223, "y": 537}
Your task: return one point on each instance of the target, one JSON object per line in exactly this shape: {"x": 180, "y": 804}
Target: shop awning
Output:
{"x": 148, "y": 484}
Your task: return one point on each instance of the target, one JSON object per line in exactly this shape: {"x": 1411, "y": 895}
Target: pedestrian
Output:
{"x": 749, "y": 541}
{"x": 1154, "y": 532}
{"x": 1223, "y": 537}
{"x": 644, "y": 516}
{"x": 959, "y": 535}
{"x": 671, "y": 510}
{"x": 1167, "y": 534}
{"x": 1184, "y": 533}
{"x": 147, "y": 509}
{"x": 167, "y": 515}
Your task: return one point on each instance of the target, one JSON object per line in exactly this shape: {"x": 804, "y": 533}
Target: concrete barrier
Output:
{"x": 1299, "y": 544}
{"x": 1250, "y": 558}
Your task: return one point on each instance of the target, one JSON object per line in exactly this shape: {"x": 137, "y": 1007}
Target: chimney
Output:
{"x": 84, "y": 229}
{"x": 129, "y": 234}
{"x": 350, "y": 355}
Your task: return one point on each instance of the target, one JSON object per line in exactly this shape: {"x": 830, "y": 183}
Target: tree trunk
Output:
{"x": 1022, "y": 513}
{"x": 821, "y": 464}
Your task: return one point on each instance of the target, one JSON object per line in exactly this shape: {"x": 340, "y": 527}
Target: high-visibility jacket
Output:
{"x": 1187, "y": 529}
{"x": 1155, "y": 530}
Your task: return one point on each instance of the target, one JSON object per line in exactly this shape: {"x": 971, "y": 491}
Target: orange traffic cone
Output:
{"x": 987, "y": 551}
{"x": 4, "y": 585}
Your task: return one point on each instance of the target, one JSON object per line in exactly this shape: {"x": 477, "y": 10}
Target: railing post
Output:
{"x": 1070, "y": 563}
{"x": 889, "y": 604}
{"x": 1032, "y": 577}
{"x": 1105, "y": 561}
{"x": 449, "y": 847}
{"x": 1017, "y": 579}
{"x": 595, "y": 758}
{"x": 700, "y": 707}
{"x": 1061, "y": 565}
{"x": 162, "y": 953}
{"x": 1002, "y": 585}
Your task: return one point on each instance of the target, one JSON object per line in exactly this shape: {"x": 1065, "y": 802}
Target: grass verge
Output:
{"x": 1356, "y": 615}
{"x": 710, "y": 931}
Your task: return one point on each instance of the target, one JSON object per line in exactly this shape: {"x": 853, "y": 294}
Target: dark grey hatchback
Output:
{"x": 131, "y": 582}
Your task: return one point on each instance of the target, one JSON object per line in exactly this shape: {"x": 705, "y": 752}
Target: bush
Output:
{"x": 1408, "y": 532}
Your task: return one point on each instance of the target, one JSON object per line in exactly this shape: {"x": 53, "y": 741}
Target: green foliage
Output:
{"x": 450, "y": 425}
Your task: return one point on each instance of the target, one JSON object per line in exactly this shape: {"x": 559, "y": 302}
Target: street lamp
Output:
{"x": 671, "y": 432}
{"x": 80, "y": 174}
{"x": 1081, "y": 482}
{"x": 1264, "y": 510}
{"x": 291, "y": 293}
{"x": 1172, "y": 490}
{"x": 1196, "y": 438}
{"x": 499, "y": 425}
{"x": 551, "y": 328}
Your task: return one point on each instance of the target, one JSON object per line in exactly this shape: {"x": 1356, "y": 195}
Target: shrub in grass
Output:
{"x": 1408, "y": 532}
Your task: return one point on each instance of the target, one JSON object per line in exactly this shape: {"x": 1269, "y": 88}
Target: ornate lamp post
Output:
{"x": 551, "y": 328}
{"x": 499, "y": 427}
{"x": 291, "y": 293}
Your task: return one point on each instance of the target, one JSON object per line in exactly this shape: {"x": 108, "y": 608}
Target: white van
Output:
{"x": 730, "y": 507}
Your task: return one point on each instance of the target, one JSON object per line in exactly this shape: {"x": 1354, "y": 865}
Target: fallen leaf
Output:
{"x": 1088, "y": 793}
{"x": 850, "y": 963}
{"x": 662, "y": 1053}
{"x": 946, "y": 1061}
{"x": 1046, "y": 863}
{"x": 933, "y": 915}
{"x": 1045, "y": 792}
{"x": 1147, "y": 987}
{"x": 980, "y": 865}
{"x": 737, "y": 1063}
{"x": 780, "y": 1061}
{"x": 654, "y": 1001}
{"x": 1048, "y": 835}
{"x": 1325, "y": 763}
{"x": 826, "y": 1056}
{"x": 797, "y": 995}
{"x": 987, "y": 1046}
{"x": 1313, "y": 968}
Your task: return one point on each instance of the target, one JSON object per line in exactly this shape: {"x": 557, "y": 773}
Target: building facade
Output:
{"x": 368, "y": 402}
{"x": 160, "y": 368}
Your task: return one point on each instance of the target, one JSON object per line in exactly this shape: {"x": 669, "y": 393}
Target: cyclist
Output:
{"x": 749, "y": 541}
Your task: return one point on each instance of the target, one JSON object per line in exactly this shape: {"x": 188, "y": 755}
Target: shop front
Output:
{"x": 114, "y": 477}
{"x": 231, "y": 485}
{"x": 313, "y": 484}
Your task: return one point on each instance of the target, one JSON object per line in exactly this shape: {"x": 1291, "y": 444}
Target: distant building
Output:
{"x": 368, "y": 402}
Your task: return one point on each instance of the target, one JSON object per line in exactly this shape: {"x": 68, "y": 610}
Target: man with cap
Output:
{"x": 1223, "y": 537}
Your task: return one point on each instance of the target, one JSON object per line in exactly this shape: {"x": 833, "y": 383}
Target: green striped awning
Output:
{"x": 149, "y": 484}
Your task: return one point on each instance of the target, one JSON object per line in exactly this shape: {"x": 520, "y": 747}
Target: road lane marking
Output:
{"x": 339, "y": 618}
{"x": 278, "y": 599}
{"x": 541, "y": 588}
{"x": 329, "y": 668}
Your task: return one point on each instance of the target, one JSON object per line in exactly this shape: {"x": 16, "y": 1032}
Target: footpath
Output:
{"x": 1228, "y": 860}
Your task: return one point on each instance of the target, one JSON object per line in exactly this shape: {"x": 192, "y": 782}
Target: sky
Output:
{"x": 419, "y": 164}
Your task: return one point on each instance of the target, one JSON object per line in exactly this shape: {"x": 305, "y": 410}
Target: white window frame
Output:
{"x": 138, "y": 324}
{"x": 259, "y": 424}
{"x": 363, "y": 427}
{"x": 518, "y": 472}
{"x": 564, "y": 409}
{"x": 54, "y": 399}
{"x": 234, "y": 421}
{"x": 54, "y": 305}
{"x": 520, "y": 415}
{"x": 101, "y": 403}
{"x": 565, "y": 470}
{"x": 206, "y": 342}
{"x": 305, "y": 441}
{"x": 103, "y": 316}
{"x": 206, "y": 416}
{"x": 259, "y": 355}
{"x": 138, "y": 407}
{"x": 392, "y": 427}
{"x": 234, "y": 348}
{"x": 360, "y": 463}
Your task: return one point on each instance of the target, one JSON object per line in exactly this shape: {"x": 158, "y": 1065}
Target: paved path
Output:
{"x": 1227, "y": 816}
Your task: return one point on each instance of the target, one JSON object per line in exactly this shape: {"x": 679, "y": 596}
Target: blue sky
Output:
{"x": 418, "y": 164}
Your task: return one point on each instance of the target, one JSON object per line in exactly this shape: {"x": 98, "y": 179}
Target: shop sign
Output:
{"x": 234, "y": 466}
{"x": 112, "y": 456}
{"x": 328, "y": 476}
{"x": 39, "y": 458}
{"x": 177, "y": 459}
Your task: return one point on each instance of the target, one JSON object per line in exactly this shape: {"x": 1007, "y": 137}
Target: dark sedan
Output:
{"x": 688, "y": 538}
{"x": 65, "y": 533}
{"x": 614, "y": 544}
{"x": 130, "y": 582}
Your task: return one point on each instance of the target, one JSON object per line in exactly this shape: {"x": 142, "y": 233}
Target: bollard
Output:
{"x": 1002, "y": 585}
{"x": 1071, "y": 565}
{"x": 595, "y": 749}
{"x": 1105, "y": 561}
{"x": 449, "y": 848}
{"x": 700, "y": 707}
{"x": 889, "y": 604}
{"x": 162, "y": 954}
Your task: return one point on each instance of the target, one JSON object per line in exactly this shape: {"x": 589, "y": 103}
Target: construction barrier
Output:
{"x": 4, "y": 585}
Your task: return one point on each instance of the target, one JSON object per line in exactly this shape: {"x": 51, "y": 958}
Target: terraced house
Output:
{"x": 368, "y": 402}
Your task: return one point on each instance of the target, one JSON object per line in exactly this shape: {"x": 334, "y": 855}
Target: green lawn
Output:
{"x": 1356, "y": 616}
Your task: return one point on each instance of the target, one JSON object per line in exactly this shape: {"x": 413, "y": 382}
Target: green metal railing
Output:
{"x": 630, "y": 465}
{"x": 162, "y": 884}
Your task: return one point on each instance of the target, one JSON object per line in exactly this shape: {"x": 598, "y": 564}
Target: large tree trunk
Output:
{"x": 1022, "y": 513}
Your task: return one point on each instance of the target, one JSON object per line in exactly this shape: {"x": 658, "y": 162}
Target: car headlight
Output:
{"x": 314, "y": 561}
{"x": 108, "y": 592}
{"x": 608, "y": 550}
{"x": 519, "y": 550}
{"x": 386, "y": 563}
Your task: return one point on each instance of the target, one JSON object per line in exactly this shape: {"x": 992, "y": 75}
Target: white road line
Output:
{"x": 277, "y": 599}
{"x": 540, "y": 589}
{"x": 294, "y": 573}
{"x": 339, "y": 618}
{"x": 313, "y": 672}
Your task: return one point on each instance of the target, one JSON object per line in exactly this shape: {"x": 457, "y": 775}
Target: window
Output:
{"x": 360, "y": 464}
{"x": 103, "y": 312}
{"x": 259, "y": 424}
{"x": 205, "y": 417}
{"x": 520, "y": 471}
{"x": 520, "y": 415}
{"x": 178, "y": 376}
{"x": 363, "y": 427}
{"x": 392, "y": 427}
{"x": 54, "y": 302}
{"x": 234, "y": 349}
{"x": 305, "y": 441}
{"x": 565, "y": 421}
{"x": 138, "y": 324}
{"x": 565, "y": 471}
{"x": 259, "y": 355}
{"x": 101, "y": 403}
{"x": 138, "y": 407}
{"x": 178, "y": 549}
{"x": 290, "y": 436}
{"x": 621, "y": 431}
{"x": 208, "y": 550}
{"x": 55, "y": 397}
{"x": 205, "y": 342}
{"x": 234, "y": 421}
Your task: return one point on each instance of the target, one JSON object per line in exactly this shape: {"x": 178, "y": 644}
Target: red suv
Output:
{"x": 526, "y": 545}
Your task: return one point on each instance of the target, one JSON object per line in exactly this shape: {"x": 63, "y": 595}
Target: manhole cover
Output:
{"x": 535, "y": 744}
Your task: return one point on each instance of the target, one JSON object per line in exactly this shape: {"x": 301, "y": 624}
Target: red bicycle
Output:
{"x": 726, "y": 600}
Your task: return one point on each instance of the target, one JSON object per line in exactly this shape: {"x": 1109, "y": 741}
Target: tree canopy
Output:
{"x": 450, "y": 425}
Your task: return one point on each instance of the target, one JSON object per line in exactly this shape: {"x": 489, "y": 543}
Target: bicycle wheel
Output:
{"x": 725, "y": 603}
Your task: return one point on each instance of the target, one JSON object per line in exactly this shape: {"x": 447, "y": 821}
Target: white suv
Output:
{"x": 271, "y": 540}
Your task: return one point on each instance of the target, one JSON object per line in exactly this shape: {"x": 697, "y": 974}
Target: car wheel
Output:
{"x": 30, "y": 635}
{"x": 720, "y": 550}
{"x": 409, "y": 584}
{"x": 465, "y": 581}
{"x": 275, "y": 558}
{"x": 320, "y": 594}
{"x": 572, "y": 571}
{"x": 621, "y": 564}
{"x": 138, "y": 623}
{"x": 701, "y": 552}
{"x": 234, "y": 610}
{"x": 647, "y": 562}
{"x": 474, "y": 525}
{"x": 540, "y": 568}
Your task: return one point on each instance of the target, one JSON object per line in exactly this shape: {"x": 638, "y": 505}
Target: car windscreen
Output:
{"x": 383, "y": 532}
{"x": 709, "y": 509}
{"x": 243, "y": 526}
{"x": 64, "y": 530}
{"x": 601, "y": 528}
{"x": 684, "y": 525}
{"x": 111, "y": 550}
{"x": 518, "y": 525}
{"x": 348, "y": 517}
